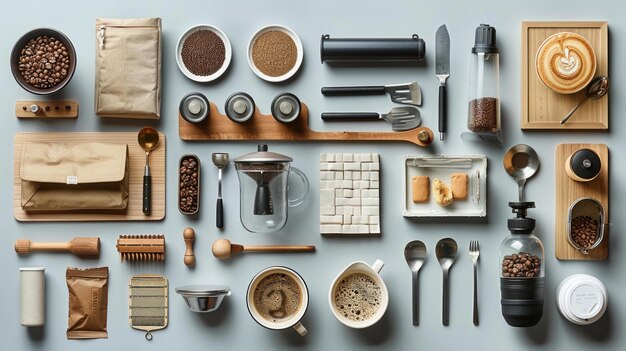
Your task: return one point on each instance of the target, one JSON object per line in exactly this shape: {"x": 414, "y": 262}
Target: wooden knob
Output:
{"x": 190, "y": 236}
{"x": 22, "y": 247}
{"x": 221, "y": 248}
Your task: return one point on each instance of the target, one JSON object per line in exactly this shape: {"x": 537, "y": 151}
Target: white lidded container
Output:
{"x": 32, "y": 296}
{"x": 582, "y": 299}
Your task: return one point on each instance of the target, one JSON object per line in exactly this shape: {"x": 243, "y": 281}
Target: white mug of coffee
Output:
{"x": 277, "y": 299}
{"x": 358, "y": 297}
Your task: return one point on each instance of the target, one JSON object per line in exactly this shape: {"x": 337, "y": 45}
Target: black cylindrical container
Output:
{"x": 372, "y": 50}
{"x": 522, "y": 300}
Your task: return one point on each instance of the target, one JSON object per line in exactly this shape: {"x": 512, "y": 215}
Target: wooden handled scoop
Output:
{"x": 80, "y": 246}
{"x": 223, "y": 248}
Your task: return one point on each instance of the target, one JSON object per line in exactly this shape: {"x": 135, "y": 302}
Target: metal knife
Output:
{"x": 442, "y": 70}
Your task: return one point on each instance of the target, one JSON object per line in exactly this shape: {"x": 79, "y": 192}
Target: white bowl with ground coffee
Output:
{"x": 358, "y": 296}
{"x": 203, "y": 53}
{"x": 275, "y": 53}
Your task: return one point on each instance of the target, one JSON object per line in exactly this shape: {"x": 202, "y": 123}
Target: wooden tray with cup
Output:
{"x": 568, "y": 191}
{"x": 137, "y": 158}
{"x": 217, "y": 127}
{"x": 543, "y": 107}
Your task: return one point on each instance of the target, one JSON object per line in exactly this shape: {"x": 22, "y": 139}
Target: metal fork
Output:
{"x": 474, "y": 252}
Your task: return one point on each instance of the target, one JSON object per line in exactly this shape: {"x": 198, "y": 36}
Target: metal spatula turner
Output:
{"x": 408, "y": 93}
{"x": 401, "y": 118}
{"x": 147, "y": 303}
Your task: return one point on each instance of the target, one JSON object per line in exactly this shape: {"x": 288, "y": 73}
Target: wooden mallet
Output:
{"x": 223, "y": 248}
{"x": 80, "y": 246}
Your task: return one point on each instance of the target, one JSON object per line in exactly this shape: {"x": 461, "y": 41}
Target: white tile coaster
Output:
{"x": 349, "y": 194}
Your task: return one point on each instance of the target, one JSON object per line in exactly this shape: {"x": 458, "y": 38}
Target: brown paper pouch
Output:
{"x": 128, "y": 68}
{"x": 74, "y": 176}
{"x": 88, "y": 300}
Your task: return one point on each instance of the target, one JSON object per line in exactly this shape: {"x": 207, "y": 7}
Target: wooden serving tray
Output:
{"x": 137, "y": 162}
{"x": 568, "y": 190}
{"x": 543, "y": 109}
{"x": 217, "y": 127}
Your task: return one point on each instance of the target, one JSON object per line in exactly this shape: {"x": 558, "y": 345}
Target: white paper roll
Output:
{"x": 32, "y": 296}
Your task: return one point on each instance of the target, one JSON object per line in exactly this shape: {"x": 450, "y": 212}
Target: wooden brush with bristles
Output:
{"x": 149, "y": 247}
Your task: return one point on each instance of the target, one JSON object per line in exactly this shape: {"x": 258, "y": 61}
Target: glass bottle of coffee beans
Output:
{"x": 522, "y": 270}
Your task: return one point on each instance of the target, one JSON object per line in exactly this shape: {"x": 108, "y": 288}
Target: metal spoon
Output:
{"x": 148, "y": 139}
{"x": 415, "y": 255}
{"x": 521, "y": 162}
{"x": 596, "y": 89}
{"x": 446, "y": 250}
{"x": 220, "y": 160}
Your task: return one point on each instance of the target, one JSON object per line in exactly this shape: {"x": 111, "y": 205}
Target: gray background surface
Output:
{"x": 231, "y": 327}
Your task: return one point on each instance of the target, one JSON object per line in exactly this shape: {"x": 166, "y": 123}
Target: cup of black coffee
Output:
{"x": 277, "y": 299}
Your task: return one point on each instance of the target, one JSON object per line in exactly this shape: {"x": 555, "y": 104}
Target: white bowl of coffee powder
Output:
{"x": 275, "y": 53}
{"x": 203, "y": 53}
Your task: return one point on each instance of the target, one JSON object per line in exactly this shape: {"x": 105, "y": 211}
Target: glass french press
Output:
{"x": 264, "y": 189}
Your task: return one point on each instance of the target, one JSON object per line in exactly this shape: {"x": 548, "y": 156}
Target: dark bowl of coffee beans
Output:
{"x": 43, "y": 61}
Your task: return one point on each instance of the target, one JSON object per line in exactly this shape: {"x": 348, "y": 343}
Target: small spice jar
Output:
{"x": 286, "y": 107}
{"x": 583, "y": 165}
{"x": 582, "y": 299}
{"x": 194, "y": 107}
{"x": 239, "y": 107}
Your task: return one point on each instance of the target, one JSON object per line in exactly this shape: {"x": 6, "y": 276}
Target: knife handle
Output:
{"x": 352, "y": 91}
{"x": 349, "y": 116}
{"x": 442, "y": 109}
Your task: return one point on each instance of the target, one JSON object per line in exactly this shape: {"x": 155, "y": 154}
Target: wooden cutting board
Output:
{"x": 137, "y": 161}
{"x": 543, "y": 109}
{"x": 568, "y": 190}
{"x": 217, "y": 127}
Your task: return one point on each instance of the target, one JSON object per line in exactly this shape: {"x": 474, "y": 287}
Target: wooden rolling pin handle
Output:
{"x": 279, "y": 248}
{"x": 26, "y": 247}
{"x": 190, "y": 236}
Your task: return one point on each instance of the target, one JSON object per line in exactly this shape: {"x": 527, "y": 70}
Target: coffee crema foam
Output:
{"x": 277, "y": 297}
{"x": 357, "y": 297}
{"x": 566, "y": 62}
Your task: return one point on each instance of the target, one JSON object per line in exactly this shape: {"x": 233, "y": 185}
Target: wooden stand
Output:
{"x": 568, "y": 190}
{"x": 218, "y": 127}
{"x": 543, "y": 109}
{"x": 52, "y": 109}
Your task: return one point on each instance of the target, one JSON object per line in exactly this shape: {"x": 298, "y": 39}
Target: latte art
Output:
{"x": 566, "y": 62}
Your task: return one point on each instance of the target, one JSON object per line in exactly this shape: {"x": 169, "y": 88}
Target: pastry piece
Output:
{"x": 442, "y": 192}
{"x": 421, "y": 188}
{"x": 458, "y": 183}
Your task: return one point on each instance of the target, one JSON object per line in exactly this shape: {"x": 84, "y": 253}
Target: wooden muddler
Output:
{"x": 80, "y": 246}
{"x": 223, "y": 248}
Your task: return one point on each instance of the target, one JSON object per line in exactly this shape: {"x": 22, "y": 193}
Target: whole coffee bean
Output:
{"x": 521, "y": 265}
{"x": 584, "y": 231}
{"x": 37, "y": 59}
{"x": 188, "y": 185}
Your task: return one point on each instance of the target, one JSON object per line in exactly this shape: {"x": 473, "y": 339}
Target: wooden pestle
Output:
{"x": 190, "y": 236}
{"x": 79, "y": 246}
{"x": 223, "y": 248}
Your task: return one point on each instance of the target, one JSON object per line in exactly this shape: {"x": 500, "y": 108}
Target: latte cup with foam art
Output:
{"x": 565, "y": 63}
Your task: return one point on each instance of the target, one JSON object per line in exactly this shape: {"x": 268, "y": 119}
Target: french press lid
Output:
{"x": 585, "y": 164}
{"x": 263, "y": 156}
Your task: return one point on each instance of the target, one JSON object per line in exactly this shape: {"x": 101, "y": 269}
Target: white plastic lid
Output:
{"x": 582, "y": 299}
{"x": 32, "y": 269}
